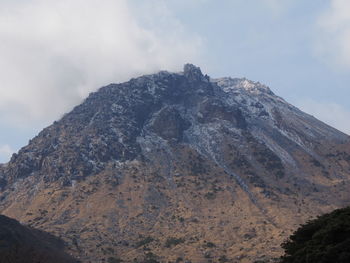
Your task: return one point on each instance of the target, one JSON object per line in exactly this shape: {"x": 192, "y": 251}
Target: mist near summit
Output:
{"x": 53, "y": 53}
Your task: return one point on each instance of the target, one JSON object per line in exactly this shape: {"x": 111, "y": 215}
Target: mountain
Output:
{"x": 178, "y": 167}
{"x": 21, "y": 244}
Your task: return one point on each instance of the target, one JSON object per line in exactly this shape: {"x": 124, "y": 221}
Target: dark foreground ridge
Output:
{"x": 21, "y": 244}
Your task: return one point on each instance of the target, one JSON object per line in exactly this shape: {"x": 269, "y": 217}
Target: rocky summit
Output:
{"x": 178, "y": 167}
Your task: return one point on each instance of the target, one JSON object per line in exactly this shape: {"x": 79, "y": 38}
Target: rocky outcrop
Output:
{"x": 168, "y": 124}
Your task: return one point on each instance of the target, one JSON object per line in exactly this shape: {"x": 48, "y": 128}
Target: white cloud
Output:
{"x": 333, "y": 34}
{"x": 53, "y": 53}
{"x": 333, "y": 114}
{"x": 5, "y": 153}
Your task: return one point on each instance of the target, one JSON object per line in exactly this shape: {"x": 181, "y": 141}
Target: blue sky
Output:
{"x": 55, "y": 52}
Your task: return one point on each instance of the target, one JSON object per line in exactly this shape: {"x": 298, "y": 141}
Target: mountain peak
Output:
{"x": 228, "y": 83}
{"x": 193, "y": 72}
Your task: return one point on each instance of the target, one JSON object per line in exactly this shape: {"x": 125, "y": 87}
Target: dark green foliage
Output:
{"x": 198, "y": 166}
{"x": 323, "y": 240}
{"x": 270, "y": 161}
{"x": 316, "y": 163}
{"x": 151, "y": 258}
{"x": 114, "y": 260}
{"x": 240, "y": 161}
{"x": 210, "y": 196}
{"x": 173, "y": 241}
{"x": 266, "y": 157}
{"x": 144, "y": 241}
{"x": 223, "y": 259}
{"x": 210, "y": 244}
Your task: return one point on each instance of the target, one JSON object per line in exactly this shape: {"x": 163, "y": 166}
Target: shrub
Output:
{"x": 223, "y": 259}
{"x": 173, "y": 241}
{"x": 210, "y": 244}
{"x": 144, "y": 241}
{"x": 114, "y": 260}
{"x": 210, "y": 196}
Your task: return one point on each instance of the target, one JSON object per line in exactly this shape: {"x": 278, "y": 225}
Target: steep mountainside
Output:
{"x": 175, "y": 167}
{"x": 21, "y": 244}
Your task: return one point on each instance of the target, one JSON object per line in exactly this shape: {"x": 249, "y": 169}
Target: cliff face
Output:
{"x": 178, "y": 165}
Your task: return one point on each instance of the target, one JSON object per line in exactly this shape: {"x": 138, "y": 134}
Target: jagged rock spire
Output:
{"x": 193, "y": 72}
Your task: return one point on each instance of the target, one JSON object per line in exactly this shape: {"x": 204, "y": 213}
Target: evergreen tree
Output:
{"x": 322, "y": 240}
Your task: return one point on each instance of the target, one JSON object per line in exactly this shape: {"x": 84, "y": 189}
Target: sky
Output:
{"x": 54, "y": 53}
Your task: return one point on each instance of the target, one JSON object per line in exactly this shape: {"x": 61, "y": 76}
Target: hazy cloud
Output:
{"x": 278, "y": 6}
{"x": 331, "y": 113}
{"x": 333, "y": 33}
{"x": 5, "y": 152}
{"x": 53, "y": 53}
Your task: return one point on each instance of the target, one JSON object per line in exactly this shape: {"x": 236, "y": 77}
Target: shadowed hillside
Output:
{"x": 21, "y": 244}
